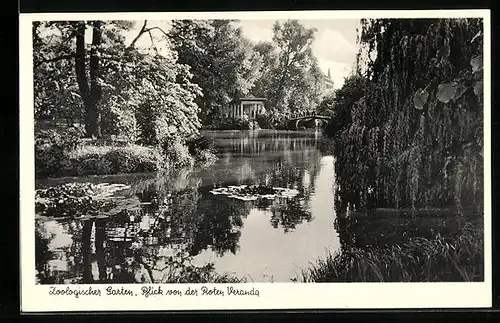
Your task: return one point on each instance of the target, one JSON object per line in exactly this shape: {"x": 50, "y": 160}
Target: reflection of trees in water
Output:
{"x": 172, "y": 213}
{"x": 43, "y": 254}
{"x": 258, "y": 145}
{"x": 289, "y": 213}
{"x": 81, "y": 259}
{"x": 387, "y": 229}
{"x": 221, "y": 224}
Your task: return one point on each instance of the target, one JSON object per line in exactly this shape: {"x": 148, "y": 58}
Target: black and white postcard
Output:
{"x": 255, "y": 160}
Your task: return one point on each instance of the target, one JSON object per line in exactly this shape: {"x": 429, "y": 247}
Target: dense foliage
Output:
{"x": 222, "y": 61}
{"x": 88, "y": 75}
{"x": 339, "y": 103}
{"x": 226, "y": 65}
{"x": 51, "y": 149}
{"x": 111, "y": 87}
{"x": 415, "y": 138}
{"x": 291, "y": 77}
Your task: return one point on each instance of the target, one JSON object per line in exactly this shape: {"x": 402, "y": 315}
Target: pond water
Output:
{"x": 166, "y": 216}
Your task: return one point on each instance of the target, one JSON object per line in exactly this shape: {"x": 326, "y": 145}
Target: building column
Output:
{"x": 241, "y": 110}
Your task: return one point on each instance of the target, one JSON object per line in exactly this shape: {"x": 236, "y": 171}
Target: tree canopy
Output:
{"x": 90, "y": 73}
{"x": 222, "y": 61}
{"x": 110, "y": 86}
{"x": 293, "y": 72}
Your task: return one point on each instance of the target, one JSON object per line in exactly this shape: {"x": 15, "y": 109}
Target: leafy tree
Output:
{"x": 342, "y": 101}
{"x": 108, "y": 84}
{"x": 326, "y": 106}
{"x": 56, "y": 89}
{"x": 270, "y": 55}
{"x": 307, "y": 89}
{"x": 293, "y": 42}
{"x": 221, "y": 59}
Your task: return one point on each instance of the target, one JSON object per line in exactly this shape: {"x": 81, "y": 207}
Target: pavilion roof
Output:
{"x": 249, "y": 98}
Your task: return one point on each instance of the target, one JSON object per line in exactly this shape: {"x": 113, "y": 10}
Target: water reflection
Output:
{"x": 167, "y": 224}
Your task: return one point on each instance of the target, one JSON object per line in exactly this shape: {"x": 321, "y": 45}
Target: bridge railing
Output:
{"x": 304, "y": 114}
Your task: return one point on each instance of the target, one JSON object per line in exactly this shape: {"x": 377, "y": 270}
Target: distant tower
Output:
{"x": 328, "y": 82}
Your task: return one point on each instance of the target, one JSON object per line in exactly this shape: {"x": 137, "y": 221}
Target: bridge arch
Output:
{"x": 298, "y": 120}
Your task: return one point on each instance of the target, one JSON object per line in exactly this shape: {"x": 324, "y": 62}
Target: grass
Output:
{"x": 418, "y": 259}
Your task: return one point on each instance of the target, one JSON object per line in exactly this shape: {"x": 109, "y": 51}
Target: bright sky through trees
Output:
{"x": 334, "y": 46}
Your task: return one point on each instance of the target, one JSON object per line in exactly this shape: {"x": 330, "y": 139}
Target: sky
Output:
{"x": 334, "y": 44}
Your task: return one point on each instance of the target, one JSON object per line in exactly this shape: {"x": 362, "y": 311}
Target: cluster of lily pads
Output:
{"x": 255, "y": 192}
{"x": 75, "y": 200}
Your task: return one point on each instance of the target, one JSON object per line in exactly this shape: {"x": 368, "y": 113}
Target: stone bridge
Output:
{"x": 307, "y": 116}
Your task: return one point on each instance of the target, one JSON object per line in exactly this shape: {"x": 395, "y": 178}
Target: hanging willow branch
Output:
{"x": 410, "y": 139}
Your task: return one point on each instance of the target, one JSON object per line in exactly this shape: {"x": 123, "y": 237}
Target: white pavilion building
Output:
{"x": 244, "y": 108}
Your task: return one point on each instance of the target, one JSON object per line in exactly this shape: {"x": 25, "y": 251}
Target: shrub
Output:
{"x": 264, "y": 122}
{"x": 91, "y": 164}
{"x": 202, "y": 149}
{"x": 229, "y": 124}
{"x": 51, "y": 149}
{"x": 127, "y": 160}
{"x": 199, "y": 144}
{"x": 205, "y": 157}
{"x": 176, "y": 153}
{"x": 119, "y": 121}
{"x": 101, "y": 160}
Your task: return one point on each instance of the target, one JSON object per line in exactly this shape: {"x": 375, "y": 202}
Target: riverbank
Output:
{"x": 427, "y": 249}
{"x": 66, "y": 155}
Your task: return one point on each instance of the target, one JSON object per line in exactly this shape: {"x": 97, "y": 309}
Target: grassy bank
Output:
{"x": 442, "y": 258}
{"x": 65, "y": 154}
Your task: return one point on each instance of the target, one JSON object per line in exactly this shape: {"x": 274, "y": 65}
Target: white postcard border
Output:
{"x": 36, "y": 298}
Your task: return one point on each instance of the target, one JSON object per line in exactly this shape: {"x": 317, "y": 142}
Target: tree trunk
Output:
{"x": 86, "y": 253}
{"x": 91, "y": 95}
{"x": 81, "y": 74}
{"x": 95, "y": 87}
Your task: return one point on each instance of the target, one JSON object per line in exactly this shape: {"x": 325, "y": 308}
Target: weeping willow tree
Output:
{"x": 416, "y": 137}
